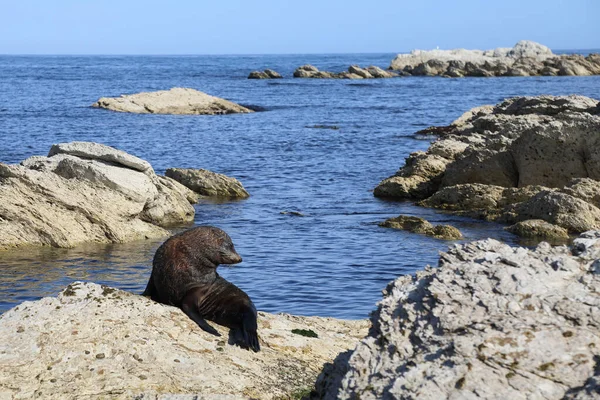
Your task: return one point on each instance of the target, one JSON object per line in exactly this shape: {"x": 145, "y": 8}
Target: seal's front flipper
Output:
{"x": 150, "y": 290}
{"x": 191, "y": 312}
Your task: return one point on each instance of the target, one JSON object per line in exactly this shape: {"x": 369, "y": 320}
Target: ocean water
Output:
{"x": 334, "y": 260}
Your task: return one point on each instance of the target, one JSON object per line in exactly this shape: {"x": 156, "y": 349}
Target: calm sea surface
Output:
{"x": 333, "y": 261}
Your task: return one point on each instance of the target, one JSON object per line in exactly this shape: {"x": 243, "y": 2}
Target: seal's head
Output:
{"x": 215, "y": 245}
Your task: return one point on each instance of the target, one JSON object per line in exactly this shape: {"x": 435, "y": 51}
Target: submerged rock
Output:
{"x": 173, "y": 101}
{"x": 95, "y": 341}
{"x": 422, "y": 226}
{"x": 87, "y": 192}
{"x": 526, "y": 58}
{"x": 491, "y": 320}
{"x": 208, "y": 183}
{"x": 493, "y": 161}
{"x": 266, "y": 74}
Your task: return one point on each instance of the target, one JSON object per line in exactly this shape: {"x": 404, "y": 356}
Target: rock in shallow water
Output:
{"x": 87, "y": 192}
{"x": 96, "y": 342}
{"x": 492, "y": 321}
{"x": 493, "y": 157}
{"x": 420, "y": 225}
{"x": 173, "y": 101}
{"x": 208, "y": 183}
{"x": 538, "y": 228}
{"x": 266, "y": 74}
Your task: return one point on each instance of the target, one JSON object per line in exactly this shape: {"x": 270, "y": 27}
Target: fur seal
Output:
{"x": 184, "y": 274}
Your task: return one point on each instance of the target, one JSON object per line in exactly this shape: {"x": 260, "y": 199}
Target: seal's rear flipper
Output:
{"x": 191, "y": 312}
{"x": 246, "y": 340}
{"x": 245, "y": 336}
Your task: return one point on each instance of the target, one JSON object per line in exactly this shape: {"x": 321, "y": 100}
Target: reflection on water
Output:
{"x": 33, "y": 272}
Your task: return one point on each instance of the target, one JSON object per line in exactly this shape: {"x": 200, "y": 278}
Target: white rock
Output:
{"x": 95, "y": 342}
{"x": 174, "y": 101}
{"x": 491, "y": 322}
{"x": 103, "y": 195}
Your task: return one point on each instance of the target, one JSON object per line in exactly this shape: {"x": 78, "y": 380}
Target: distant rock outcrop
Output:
{"x": 174, "y": 101}
{"x": 208, "y": 183}
{"x": 98, "y": 342}
{"x": 266, "y": 74}
{"x": 526, "y": 58}
{"x": 525, "y": 158}
{"x": 87, "y": 192}
{"x": 354, "y": 72}
{"x": 492, "y": 321}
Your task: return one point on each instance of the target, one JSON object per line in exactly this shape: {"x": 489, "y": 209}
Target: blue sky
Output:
{"x": 308, "y": 26}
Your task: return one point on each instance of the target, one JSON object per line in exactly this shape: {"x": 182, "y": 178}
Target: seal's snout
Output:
{"x": 230, "y": 257}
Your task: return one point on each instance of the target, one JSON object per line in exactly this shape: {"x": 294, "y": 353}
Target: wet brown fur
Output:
{"x": 184, "y": 275}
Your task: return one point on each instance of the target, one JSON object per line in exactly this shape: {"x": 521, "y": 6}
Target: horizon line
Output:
{"x": 236, "y": 54}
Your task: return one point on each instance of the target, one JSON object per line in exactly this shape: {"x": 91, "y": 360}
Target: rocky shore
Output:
{"x": 491, "y": 322}
{"x": 174, "y": 101}
{"x": 526, "y": 58}
{"x": 96, "y": 342}
{"x": 527, "y": 158}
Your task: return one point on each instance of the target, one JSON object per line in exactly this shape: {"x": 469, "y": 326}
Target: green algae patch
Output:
{"x": 305, "y": 332}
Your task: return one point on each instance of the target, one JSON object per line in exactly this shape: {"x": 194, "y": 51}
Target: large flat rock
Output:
{"x": 173, "y": 101}
{"x": 96, "y": 342}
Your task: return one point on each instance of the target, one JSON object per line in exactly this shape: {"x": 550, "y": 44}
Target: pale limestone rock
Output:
{"x": 64, "y": 199}
{"x": 96, "y": 342}
{"x": 97, "y": 151}
{"x": 266, "y": 74}
{"x": 173, "y": 101}
{"x": 559, "y": 209}
{"x": 208, "y": 183}
{"x": 526, "y": 58}
{"x": 538, "y": 228}
{"x": 422, "y": 226}
{"x": 408, "y": 223}
{"x": 419, "y": 178}
{"x": 585, "y": 189}
{"x": 493, "y": 157}
{"x": 466, "y": 197}
{"x": 353, "y": 72}
{"x": 491, "y": 322}
{"x": 363, "y": 73}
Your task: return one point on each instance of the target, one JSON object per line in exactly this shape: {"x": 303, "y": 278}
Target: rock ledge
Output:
{"x": 95, "y": 342}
